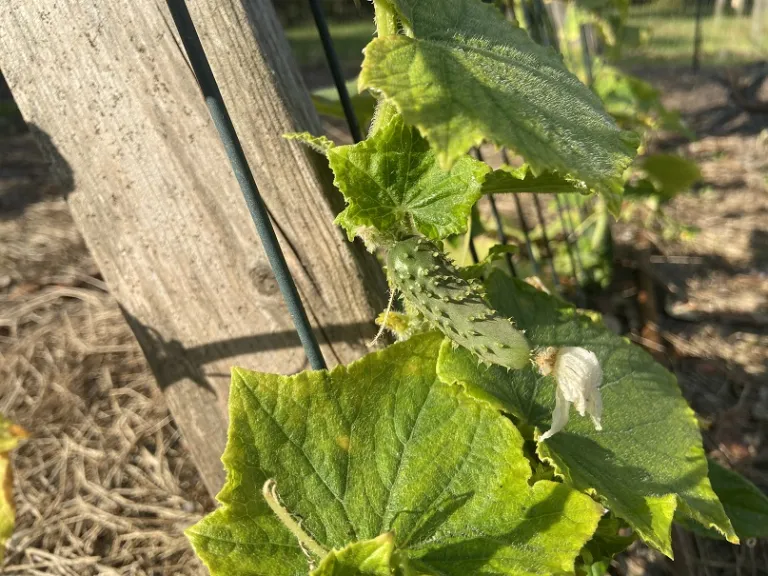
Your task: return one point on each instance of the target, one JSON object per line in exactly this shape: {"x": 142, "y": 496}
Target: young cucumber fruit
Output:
{"x": 432, "y": 285}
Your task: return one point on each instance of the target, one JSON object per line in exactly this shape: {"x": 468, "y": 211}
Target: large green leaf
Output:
{"x": 383, "y": 446}
{"x": 468, "y": 75}
{"x": 393, "y": 183}
{"x": 647, "y": 461}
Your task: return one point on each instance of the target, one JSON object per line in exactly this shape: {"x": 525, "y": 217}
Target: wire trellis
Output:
{"x": 335, "y": 66}
{"x": 500, "y": 234}
{"x": 542, "y": 31}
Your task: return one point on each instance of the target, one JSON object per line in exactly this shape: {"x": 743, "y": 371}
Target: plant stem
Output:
{"x": 386, "y": 25}
{"x": 385, "y": 111}
{"x": 386, "y": 19}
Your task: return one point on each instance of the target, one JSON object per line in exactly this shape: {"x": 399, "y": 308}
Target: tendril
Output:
{"x": 306, "y": 542}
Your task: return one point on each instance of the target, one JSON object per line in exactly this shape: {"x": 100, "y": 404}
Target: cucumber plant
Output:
{"x": 450, "y": 452}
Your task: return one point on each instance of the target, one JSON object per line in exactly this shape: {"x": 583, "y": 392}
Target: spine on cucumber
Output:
{"x": 432, "y": 285}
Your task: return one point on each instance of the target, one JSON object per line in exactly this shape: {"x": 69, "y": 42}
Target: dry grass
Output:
{"x": 105, "y": 484}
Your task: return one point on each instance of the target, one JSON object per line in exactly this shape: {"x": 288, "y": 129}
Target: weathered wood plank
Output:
{"x": 159, "y": 207}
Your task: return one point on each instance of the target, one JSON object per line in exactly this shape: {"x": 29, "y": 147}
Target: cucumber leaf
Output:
{"x": 647, "y": 461}
{"x": 511, "y": 180}
{"x": 745, "y": 504}
{"x": 320, "y": 144}
{"x": 382, "y": 446}
{"x": 393, "y": 183}
{"x": 467, "y": 75}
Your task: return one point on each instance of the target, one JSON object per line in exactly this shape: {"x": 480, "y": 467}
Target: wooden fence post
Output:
{"x": 156, "y": 201}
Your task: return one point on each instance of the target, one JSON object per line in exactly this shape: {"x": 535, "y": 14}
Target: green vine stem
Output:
{"x": 386, "y": 19}
{"x": 386, "y": 25}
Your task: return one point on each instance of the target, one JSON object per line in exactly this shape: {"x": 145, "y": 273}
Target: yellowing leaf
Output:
{"x": 368, "y": 558}
{"x": 468, "y": 75}
{"x": 10, "y": 436}
{"x": 440, "y": 471}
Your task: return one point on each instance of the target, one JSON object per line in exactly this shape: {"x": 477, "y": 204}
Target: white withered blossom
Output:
{"x": 578, "y": 375}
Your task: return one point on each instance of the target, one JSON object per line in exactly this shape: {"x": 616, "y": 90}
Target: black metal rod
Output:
{"x": 473, "y": 250}
{"x": 500, "y": 234}
{"x": 546, "y": 33}
{"x": 213, "y": 99}
{"x": 333, "y": 63}
{"x": 526, "y": 235}
{"x": 523, "y": 222}
{"x": 545, "y": 237}
{"x": 530, "y": 20}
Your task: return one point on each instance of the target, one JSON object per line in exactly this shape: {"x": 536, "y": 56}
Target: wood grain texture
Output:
{"x": 156, "y": 201}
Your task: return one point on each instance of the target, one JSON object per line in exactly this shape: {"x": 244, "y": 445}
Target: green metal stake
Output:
{"x": 210, "y": 89}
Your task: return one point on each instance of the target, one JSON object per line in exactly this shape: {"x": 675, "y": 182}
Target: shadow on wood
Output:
{"x": 171, "y": 362}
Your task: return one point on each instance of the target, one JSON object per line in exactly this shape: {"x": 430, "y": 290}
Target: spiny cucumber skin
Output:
{"x": 432, "y": 285}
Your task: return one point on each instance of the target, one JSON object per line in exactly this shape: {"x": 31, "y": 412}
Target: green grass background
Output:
{"x": 727, "y": 41}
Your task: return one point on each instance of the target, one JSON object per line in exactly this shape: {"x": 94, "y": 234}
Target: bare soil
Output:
{"x": 712, "y": 291}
